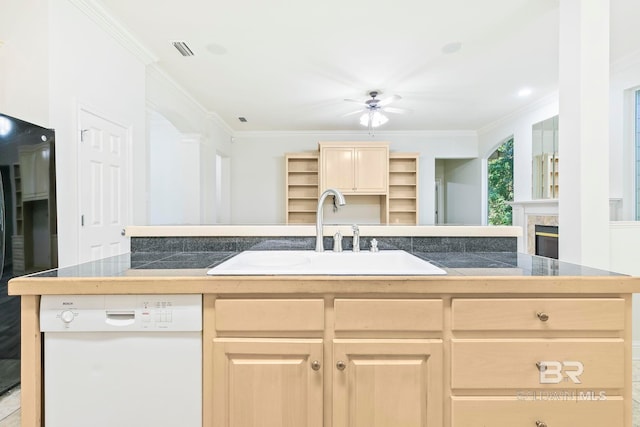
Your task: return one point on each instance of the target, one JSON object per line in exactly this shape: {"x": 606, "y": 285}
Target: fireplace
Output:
{"x": 547, "y": 240}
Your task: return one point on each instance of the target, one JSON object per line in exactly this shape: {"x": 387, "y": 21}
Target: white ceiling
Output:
{"x": 289, "y": 64}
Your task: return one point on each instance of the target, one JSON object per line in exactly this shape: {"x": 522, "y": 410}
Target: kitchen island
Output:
{"x": 503, "y": 339}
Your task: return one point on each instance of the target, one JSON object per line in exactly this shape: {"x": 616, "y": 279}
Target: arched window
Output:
{"x": 500, "y": 177}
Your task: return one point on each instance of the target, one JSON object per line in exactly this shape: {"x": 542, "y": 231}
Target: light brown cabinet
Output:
{"x": 269, "y": 367}
{"x": 387, "y": 382}
{"x": 354, "y": 168}
{"x": 267, "y": 382}
{"x": 538, "y": 362}
{"x": 441, "y": 360}
{"x": 266, "y": 363}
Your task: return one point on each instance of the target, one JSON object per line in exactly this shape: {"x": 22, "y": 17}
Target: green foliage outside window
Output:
{"x": 500, "y": 168}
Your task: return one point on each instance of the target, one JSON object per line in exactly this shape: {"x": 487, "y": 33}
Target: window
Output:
{"x": 500, "y": 173}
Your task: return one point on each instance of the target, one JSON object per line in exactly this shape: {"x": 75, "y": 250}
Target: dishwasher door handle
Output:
{"x": 121, "y": 318}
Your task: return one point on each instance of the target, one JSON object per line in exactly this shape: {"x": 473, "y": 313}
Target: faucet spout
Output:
{"x": 319, "y": 226}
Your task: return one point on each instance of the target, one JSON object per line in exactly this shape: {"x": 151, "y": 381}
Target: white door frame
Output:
{"x": 86, "y": 109}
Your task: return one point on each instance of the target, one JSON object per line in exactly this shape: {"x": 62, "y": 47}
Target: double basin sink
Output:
{"x": 394, "y": 262}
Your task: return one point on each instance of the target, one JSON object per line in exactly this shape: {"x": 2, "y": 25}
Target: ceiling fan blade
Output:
{"x": 389, "y": 100}
{"x": 396, "y": 110}
{"x": 355, "y": 100}
{"x": 354, "y": 112}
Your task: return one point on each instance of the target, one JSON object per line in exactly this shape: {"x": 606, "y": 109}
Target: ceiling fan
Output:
{"x": 372, "y": 109}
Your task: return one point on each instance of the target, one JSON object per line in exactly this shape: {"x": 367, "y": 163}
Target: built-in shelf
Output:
{"x": 399, "y": 204}
{"x": 302, "y": 187}
{"x": 403, "y": 188}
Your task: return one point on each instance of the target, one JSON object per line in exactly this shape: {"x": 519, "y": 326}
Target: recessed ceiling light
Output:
{"x": 524, "y": 92}
{"x": 216, "y": 49}
{"x": 452, "y": 47}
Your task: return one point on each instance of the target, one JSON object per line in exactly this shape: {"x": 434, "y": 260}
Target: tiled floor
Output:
{"x": 10, "y": 403}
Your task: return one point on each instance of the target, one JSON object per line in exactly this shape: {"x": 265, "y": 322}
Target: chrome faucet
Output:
{"x": 356, "y": 238}
{"x": 341, "y": 202}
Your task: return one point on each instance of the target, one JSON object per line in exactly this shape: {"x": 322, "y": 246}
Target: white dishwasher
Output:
{"x": 122, "y": 360}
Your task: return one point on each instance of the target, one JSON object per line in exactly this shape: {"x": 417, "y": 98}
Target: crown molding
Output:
{"x": 529, "y": 108}
{"x": 359, "y": 133}
{"x": 627, "y": 61}
{"x": 220, "y": 122}
{"x": 111, "y": 26}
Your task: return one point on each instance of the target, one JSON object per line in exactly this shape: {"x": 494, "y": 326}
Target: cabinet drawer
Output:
{"x": 596, "y": 314}
{"x": 388, "y": 315}
{"x": 511, "y": 364}
{"x": 571, "y": 410}
{"x": 269, "y": 315}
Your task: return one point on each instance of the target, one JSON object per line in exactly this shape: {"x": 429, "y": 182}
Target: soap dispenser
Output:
{"x": 337, "y": 242}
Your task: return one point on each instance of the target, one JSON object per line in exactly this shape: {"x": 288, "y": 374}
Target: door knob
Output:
{"x": 341, "y": 365}
{"x": 315, "y": 365}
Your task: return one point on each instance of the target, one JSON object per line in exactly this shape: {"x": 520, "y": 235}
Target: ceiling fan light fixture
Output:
{"x": 373, "y": 119}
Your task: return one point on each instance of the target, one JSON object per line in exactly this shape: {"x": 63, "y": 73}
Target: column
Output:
{"x": 584, "y": 132}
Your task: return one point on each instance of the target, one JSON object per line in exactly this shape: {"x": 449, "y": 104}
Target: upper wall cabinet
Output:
{"x": 354, "y": 168}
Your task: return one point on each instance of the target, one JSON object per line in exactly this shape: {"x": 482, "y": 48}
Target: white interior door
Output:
{"x": 103, "y": 181}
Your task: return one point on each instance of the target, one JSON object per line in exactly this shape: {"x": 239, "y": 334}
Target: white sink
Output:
{"x": 325, "y": 263}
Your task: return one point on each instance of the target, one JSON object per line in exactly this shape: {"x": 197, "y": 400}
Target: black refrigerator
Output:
{"x": 28, "y": 224}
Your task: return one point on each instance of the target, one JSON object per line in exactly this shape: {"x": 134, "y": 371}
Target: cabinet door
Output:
{"x": 387, "y": 383}
{"x": 338, "y": 169}
{"x": 371, "y": 169}
{"x": 267, "y": 382}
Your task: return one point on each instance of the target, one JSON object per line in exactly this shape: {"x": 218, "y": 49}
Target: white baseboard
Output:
{"x": 635, "y": 350}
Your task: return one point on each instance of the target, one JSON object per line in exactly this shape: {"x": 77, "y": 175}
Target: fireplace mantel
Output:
{"x": 528, "y": 213}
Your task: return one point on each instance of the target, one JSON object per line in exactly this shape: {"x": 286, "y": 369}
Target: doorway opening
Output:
{"x": 500, "y": 185}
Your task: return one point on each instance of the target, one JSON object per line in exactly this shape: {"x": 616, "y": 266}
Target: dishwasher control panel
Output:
{"x": 79, "y": 313}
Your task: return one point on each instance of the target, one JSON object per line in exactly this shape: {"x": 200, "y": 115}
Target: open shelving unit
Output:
{"x": 403, "y": 188}
{"x": 302, "y": 187}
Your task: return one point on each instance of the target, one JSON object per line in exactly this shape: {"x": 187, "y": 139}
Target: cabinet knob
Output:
{"x": 541, "y": 424}
{"x": 341, "y": 365}
{"x": 315, "y": 365}
{"x": 542, "y": 316}
{"x": 541, "y": 366}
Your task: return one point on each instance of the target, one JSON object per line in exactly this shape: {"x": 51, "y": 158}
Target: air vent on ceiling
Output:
{"x": 182, "y": 48}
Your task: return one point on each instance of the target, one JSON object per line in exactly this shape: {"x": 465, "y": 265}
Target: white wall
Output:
{"x": 24, "y": 60}
{"x": 89, "y": 68}
{"x": 462, "y": 191}
{"x": 624, "y": 248}
{"x": 187, "y": 118}
{"x": 257, "y": 166}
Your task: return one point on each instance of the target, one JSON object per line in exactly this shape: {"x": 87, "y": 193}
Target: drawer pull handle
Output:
{"x": 541, "y": 367}
{"x": 315, "y": 365}
{"x": 341, "y": 365}
{"x": 541, "y": 424}
{"x": 542, "y": 316}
